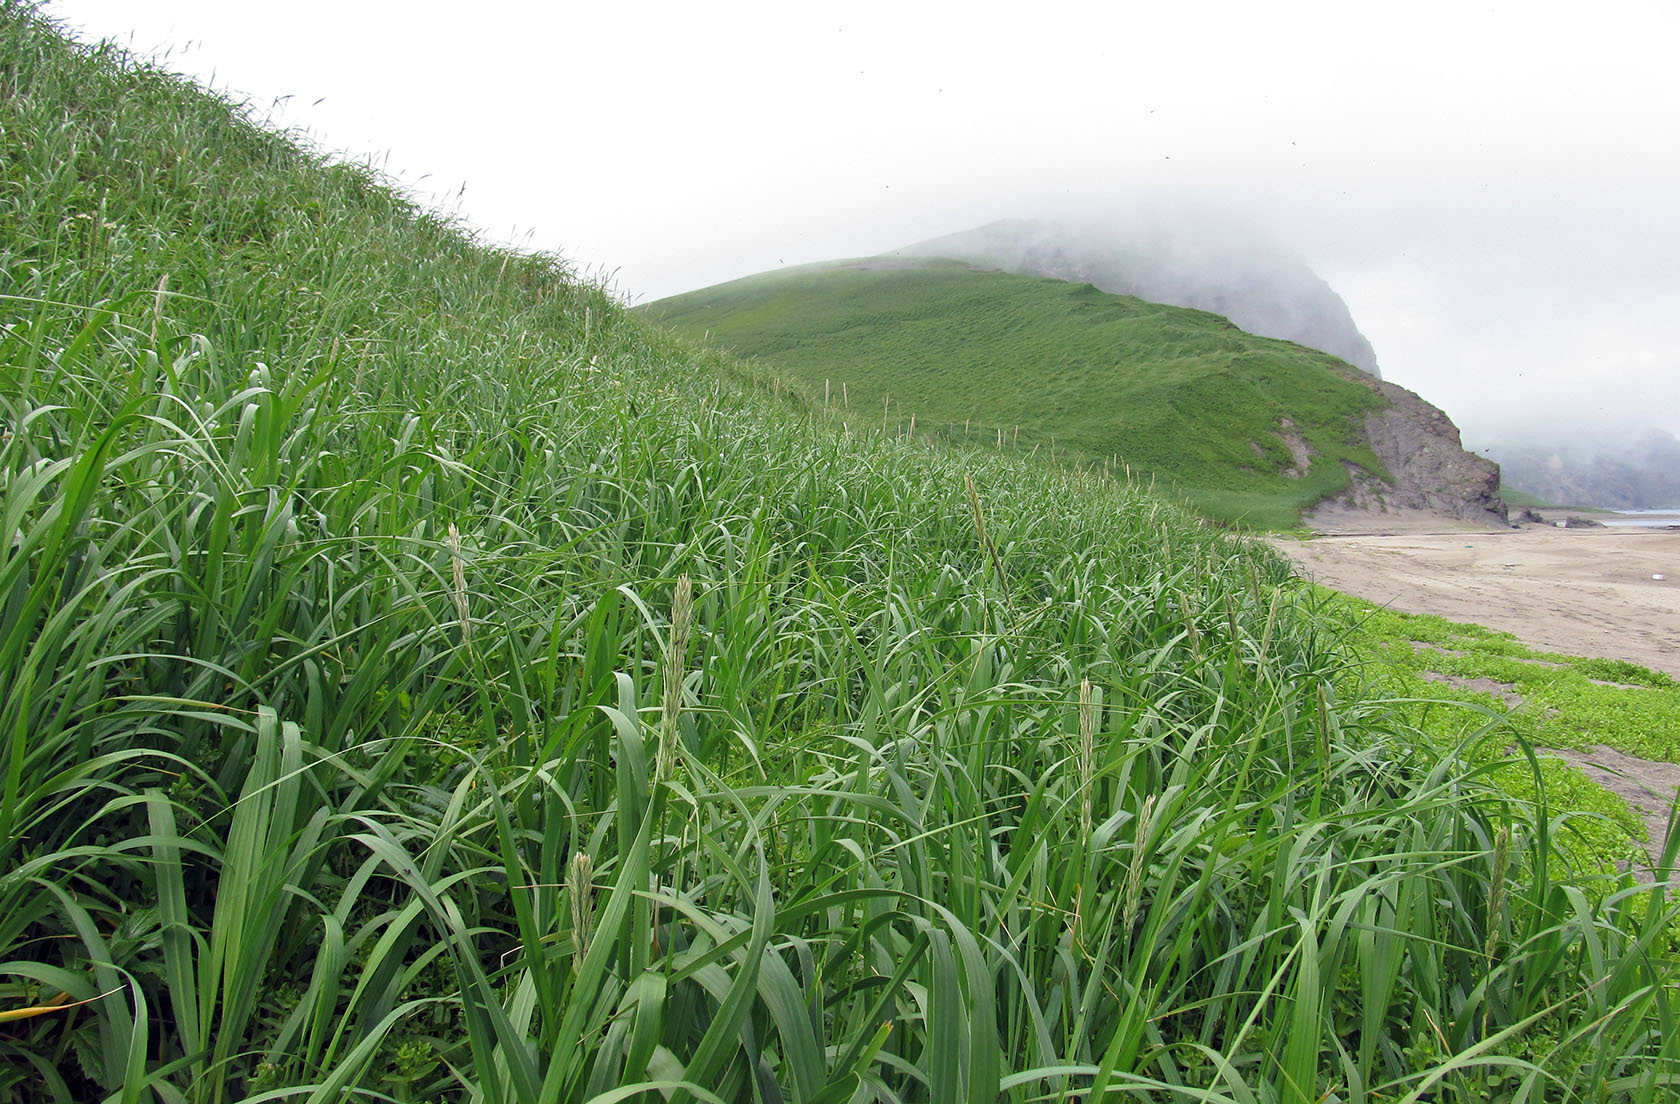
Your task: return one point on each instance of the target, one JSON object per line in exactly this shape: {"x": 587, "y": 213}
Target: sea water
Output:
{"x": 1653, "y": 519}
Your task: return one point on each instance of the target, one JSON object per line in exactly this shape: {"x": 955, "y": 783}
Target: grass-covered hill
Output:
{"x": 421, "y": 680}
{"x": 1219, "y": 415}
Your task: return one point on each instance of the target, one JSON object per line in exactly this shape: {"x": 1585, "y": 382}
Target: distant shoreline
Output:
{"x": 1642, "y": 519}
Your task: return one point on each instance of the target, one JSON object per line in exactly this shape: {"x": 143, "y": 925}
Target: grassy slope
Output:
{"x": 346, "y": 747}
{"x": 1178, "y": 395}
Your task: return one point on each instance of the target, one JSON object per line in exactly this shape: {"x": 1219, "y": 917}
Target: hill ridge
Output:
{"x": 1249, "y": 428}
{"x": 1203, "y": 261}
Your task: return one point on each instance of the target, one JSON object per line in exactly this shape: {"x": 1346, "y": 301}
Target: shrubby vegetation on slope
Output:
{"x": 420, "y": 681}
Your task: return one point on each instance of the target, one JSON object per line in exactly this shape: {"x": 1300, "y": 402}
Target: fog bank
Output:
{"x": 1202, "y": 259}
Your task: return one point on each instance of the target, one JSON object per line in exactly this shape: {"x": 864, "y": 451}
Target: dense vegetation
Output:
{"x": 421, "y": 681}
{"x": 1571, "y": 701}
{"x": 1175, "y": 395}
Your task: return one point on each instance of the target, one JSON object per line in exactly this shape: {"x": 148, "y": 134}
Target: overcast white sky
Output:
{"x": 1493, "y": 188}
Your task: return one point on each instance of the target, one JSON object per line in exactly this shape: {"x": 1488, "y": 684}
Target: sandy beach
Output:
{"x": 1590, "y": 592}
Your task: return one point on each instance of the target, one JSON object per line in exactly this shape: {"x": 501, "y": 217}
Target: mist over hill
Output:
{"x": 1182, "y": 259}
{"x": 1635, "y": 470}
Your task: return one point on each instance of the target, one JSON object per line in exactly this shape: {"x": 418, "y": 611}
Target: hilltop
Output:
{"x": 1247, "y": 429}
{"x": 1198, "y": 259}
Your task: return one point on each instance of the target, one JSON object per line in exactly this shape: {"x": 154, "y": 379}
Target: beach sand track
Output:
{"x": 1586, "y": 592}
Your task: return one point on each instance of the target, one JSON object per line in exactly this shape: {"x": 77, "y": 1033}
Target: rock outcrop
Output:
{"x": 1429, "y": 467}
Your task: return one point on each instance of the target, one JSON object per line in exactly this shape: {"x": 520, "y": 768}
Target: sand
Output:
{"x": 1587, "y": 592}
{"x": 1648, "y": 787}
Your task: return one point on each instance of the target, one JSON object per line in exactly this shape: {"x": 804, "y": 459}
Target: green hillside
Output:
{"x": 1176, "y": 395}
{"x": 423, "y": 680}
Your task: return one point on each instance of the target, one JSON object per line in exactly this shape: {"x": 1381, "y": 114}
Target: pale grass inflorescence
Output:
{"x": 350, "y": 750}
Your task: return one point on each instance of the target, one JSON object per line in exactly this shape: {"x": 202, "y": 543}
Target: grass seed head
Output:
{"x": 676, "y": 651}
{"x": 1134, "y": 873}
{"x": 1087, "y": 759}
{"x": 1266, "y": 635}
{"x": 458, "y": 569}
{"x": 1190, "y": 630}
{"x": 580, "y": 894}
{"x": 1496, "y": 888}
{"x": 1324, "y": 728}
{"x": 157, "y": 306}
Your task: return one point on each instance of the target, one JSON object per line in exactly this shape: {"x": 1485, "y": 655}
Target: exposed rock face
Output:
{"x": 1420, "y": 447}
{"x": 1185, "y": 259}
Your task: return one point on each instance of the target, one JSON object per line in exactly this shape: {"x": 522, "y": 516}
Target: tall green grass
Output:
{"x": 420, "y": 681}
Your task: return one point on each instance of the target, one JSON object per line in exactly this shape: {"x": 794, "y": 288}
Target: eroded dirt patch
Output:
{"x": 1648, "y": 786}
{"x": 1300, "y": 453}
{"x": 1504, "y": 690}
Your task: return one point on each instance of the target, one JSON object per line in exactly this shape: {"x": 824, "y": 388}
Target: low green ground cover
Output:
{"x": 1544, "y": 699}
{"x": 421, "y": 680}
{"x": 1178, "y": 396}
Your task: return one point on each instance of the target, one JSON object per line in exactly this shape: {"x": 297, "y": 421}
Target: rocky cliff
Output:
{"x": 1429, "y": 468}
